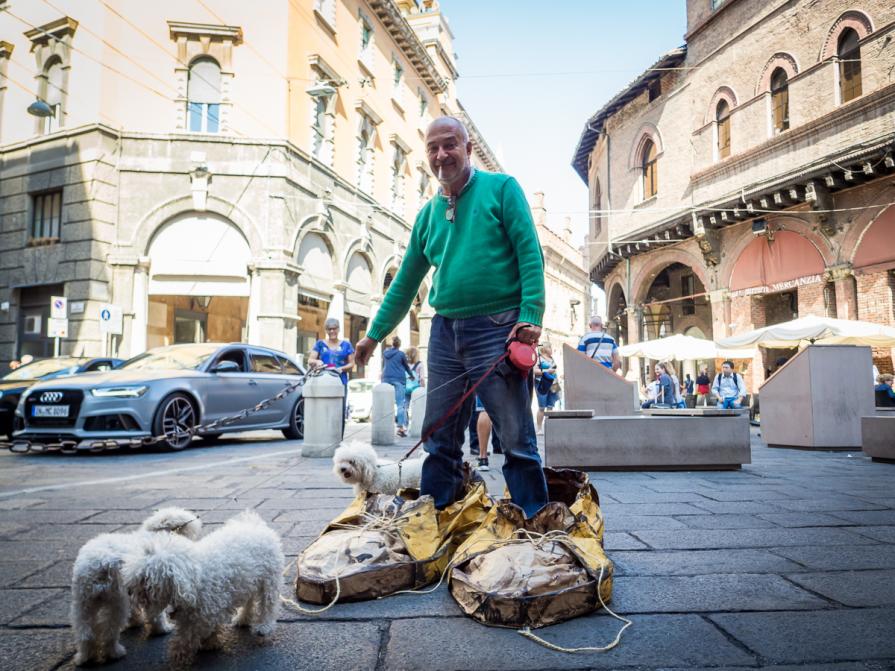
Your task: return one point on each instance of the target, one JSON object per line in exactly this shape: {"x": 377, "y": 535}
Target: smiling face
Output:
{"x": 448, "y": 150}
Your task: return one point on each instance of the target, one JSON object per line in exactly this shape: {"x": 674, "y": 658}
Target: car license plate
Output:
{"x": 50, "y": 411}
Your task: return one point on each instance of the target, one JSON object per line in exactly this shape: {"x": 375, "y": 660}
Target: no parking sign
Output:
{"x": 110, "y": 320}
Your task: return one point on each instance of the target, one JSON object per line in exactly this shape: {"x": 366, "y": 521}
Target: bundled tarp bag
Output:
{"x": 383, "y": 544}
{"x": 514, "y": 572}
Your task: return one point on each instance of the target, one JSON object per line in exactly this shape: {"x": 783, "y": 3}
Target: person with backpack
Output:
{"x": 416, "y": 378}
{"x": 395, "y": 370}
{"x": 729, "y": 387}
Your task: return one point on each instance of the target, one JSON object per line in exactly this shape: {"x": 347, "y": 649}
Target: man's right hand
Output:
{"x": 364, "y": 350}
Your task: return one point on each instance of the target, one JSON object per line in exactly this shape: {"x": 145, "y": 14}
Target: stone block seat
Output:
{"x": 656, "y": 439}
{"x": 878, "y": 435}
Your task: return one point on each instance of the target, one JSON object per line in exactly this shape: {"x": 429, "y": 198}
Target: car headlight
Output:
{"x": 120, "y": 392}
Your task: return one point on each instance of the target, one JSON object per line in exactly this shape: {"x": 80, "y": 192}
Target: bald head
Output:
{"x": 449, "y": 151}
{"x": 452, "y": 123}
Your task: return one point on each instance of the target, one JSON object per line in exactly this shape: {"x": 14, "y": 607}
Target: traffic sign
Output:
{"x": 110, "y": 319}
{"x": 58, "y": 307}
{"x": 57, "y": 328}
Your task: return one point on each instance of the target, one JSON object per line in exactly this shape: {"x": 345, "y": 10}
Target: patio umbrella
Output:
{"x": 683, "y": 348}
{"x": 818, "y": 330}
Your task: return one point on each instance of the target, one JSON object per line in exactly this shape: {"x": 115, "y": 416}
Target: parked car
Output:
{"x": 167, "y": 391}
{"x": 360, "y": 399}
{"x": 13, "y": 384}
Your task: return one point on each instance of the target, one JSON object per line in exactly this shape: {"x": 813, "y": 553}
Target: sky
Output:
{"x": 533, "y": 72}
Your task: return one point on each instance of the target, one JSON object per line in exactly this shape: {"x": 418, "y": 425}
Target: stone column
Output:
{"x": 252, "y": 327}
{"x": 425, "y": 321}
{"x": 634, "y": 315}
{"x": 374, "y": 365}
{"x": 337, "y": 307}
{"x": 843, "y": 278}
{"x": 720, "y": 299}
{"x": 140, "y": 322}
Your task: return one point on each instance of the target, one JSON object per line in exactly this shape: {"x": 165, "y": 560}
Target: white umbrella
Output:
{"x": 819, "y": 330}
{"x": 683, "y": 348}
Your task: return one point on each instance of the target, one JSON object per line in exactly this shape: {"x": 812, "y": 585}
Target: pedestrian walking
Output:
{"x": 335, "y": 354}
{"x": 483, "y": 433}
{"x": 883, "y": 392}
{"x": 599, "y": 345}
{"x": 546, "y": 384}
{"x": 478, "y": 233}
{"x": 395, "y": 370}
{"x": 416, "y": 378}
{"x": 703, "y": 382}
{"x": 729, "y": 387}
{"x": 688, "y": 384}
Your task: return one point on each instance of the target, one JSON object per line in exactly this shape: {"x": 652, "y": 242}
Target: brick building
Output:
{"x": 747, "y": 177}
{"x": 217, "y": 171}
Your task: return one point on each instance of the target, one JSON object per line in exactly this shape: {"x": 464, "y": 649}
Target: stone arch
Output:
{"x": 644, "y": 277}
{"x": 854, "y": 19}
{"x": 779, "y": 60}
{"x": 157, "y": 217}
{"x": 648, "y": 131}
{"x": 318, "y": 223}
{"x": 759, "y": 263}
{"x": 872, "y": 194}
{"x": 359, "y": 273}
{"x": 876, "y": 244}
{"x": 724, "y": 93}
{"x": 362, "y": 246}
{"x": 393, "y": 262}
{"x": 315, "y": 256}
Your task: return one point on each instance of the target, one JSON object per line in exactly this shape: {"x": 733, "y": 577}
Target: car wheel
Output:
{"x": 175, "y": 418}
{"x": 296, "y": 428}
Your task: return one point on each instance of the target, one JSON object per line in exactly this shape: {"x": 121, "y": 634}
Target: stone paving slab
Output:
{"x": 654, "y": 640}
{"x": 744, "y": 521}
{"x": 794, "y": 520}
{"x": 54, "y": 575}
{"x": 709, "y": 593}
{"x": 661, "y": 509}
{"x": 700, "y": 562}
{"x": 737, "y": 507}
{"x": 34, "y": 649}
{"x": 840, "y": 557}
{"x": 884, "y": 534}
{"x": 635, "y": 522}
{"x": 16, "y": 602}
{"x": 12, "y": 572}
{"x": 852, "y": 588}
{"x": 824, "y": 504}
{"x": 822, "y": 636}
{"x": 744, "y": 538}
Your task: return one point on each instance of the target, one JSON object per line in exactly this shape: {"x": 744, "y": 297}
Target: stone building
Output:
{"x": 566, "y": 284}
{"x": 746, "y": 177}
{"x": 218, "y": 171}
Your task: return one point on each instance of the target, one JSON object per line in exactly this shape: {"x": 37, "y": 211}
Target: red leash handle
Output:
{"x": 441, "y": 420}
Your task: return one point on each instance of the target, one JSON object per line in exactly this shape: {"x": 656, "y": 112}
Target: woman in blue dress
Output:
{"x": 335, "y": 354}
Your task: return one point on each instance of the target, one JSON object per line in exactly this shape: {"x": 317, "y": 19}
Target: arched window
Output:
{"x": 722, "y": 117}
{"x": 53, "y": 76}
{"x": 649, "y": 163}
{"x": 204, "y": 96}
{"x": 849, "y": 52}
{"x": 780, "y": 99}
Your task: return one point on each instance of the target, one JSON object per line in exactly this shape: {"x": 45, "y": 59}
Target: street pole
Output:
{"x": 56, "y": 347}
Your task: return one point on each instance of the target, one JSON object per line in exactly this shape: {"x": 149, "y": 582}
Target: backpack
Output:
{"x": 736, "y": 379}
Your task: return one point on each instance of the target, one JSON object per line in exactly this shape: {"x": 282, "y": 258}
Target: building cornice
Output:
{"x": 64, "y": 27}
{"x": 197, "y": 30}
{"x": 481, "y": 148}
{"x": 406, "y": 39}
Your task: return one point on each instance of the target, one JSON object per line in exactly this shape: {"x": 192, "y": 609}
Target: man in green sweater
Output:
{"x": 478, "y": 234}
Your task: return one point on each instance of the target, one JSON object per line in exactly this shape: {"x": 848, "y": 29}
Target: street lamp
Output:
{"x": 41, "y": 109}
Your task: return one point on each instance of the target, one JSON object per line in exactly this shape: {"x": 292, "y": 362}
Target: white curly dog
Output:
{"x": 358, "y": 464}
{"x": 236, "y": 569}
{"x": 101, "y": 607}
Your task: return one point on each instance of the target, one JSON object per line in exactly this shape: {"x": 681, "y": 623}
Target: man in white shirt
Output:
{"x": 729, "y": 387}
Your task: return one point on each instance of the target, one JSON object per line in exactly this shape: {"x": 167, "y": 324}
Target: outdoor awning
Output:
{"x": 819, "y": 330}
{"x": 683, "y": 348}
{"x": 764, "y": 263}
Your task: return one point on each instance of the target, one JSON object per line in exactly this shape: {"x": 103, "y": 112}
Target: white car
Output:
{"x": 360, "y": 399}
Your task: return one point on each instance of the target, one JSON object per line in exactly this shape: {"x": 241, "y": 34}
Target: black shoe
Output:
{"x": 483, "y": 464}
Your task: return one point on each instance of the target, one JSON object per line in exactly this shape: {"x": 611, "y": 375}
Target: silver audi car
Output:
{"x": 166, "y": 392}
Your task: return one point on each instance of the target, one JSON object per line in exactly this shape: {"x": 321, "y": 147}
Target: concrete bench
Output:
{"x": 662, "y": 440}
{"x": 878, "y": 435}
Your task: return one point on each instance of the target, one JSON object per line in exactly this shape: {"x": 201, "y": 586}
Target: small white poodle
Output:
{"x": 101, "y": 607}
{"x": 236, "y": 569}
{"x": 357, "y": 464}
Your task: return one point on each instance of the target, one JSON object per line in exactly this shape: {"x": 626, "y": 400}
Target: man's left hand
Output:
{"x": 527, "y": 333}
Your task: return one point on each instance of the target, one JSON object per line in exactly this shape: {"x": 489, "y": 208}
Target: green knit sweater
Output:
{"x": 488, "y": 260}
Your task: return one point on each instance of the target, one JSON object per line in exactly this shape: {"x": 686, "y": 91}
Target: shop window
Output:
{"x": 204, "y": 96}
{"x": 780, "y": 100}
{"x": 650, "y": 168}
{"x": 190, "y": 327}
{"x": 722, "y": 118}
{"x": 849, "y": 53}
{"x": 46, "y": 217}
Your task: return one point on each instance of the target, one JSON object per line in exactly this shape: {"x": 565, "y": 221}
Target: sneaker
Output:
{"x": 402, "y": 432}
{"x": 483, "y": 464}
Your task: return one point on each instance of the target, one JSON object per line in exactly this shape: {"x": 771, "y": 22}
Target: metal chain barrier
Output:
{"x": 23, "y": 446}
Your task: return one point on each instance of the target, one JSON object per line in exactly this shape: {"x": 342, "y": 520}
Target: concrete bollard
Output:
{"x": 417, "y": 411}
{"x": 383, "y": 414}
{"x": 323, "y": 415}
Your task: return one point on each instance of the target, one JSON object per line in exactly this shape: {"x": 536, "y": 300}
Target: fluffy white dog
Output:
{"x": 357, "y": 464}
{"x": 101, "y": 607}
{"x": 236, "y": 569}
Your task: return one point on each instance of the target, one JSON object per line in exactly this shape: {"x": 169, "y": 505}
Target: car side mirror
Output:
{"x": 225, "y": 367}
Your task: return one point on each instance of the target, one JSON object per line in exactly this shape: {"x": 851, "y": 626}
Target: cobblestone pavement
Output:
{"x": 786, "y": 564}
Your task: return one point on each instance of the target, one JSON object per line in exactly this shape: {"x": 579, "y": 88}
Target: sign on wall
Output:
{"x": 110, "y": 319}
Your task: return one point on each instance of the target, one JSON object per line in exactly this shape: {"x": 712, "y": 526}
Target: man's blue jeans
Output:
{"x": 460, "y": 352}
{"x": 401, "y": 411}
{"x": 730, "y": 403}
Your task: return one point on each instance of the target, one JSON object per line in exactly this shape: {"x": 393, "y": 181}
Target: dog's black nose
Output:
{"x": 345, "y": 471}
